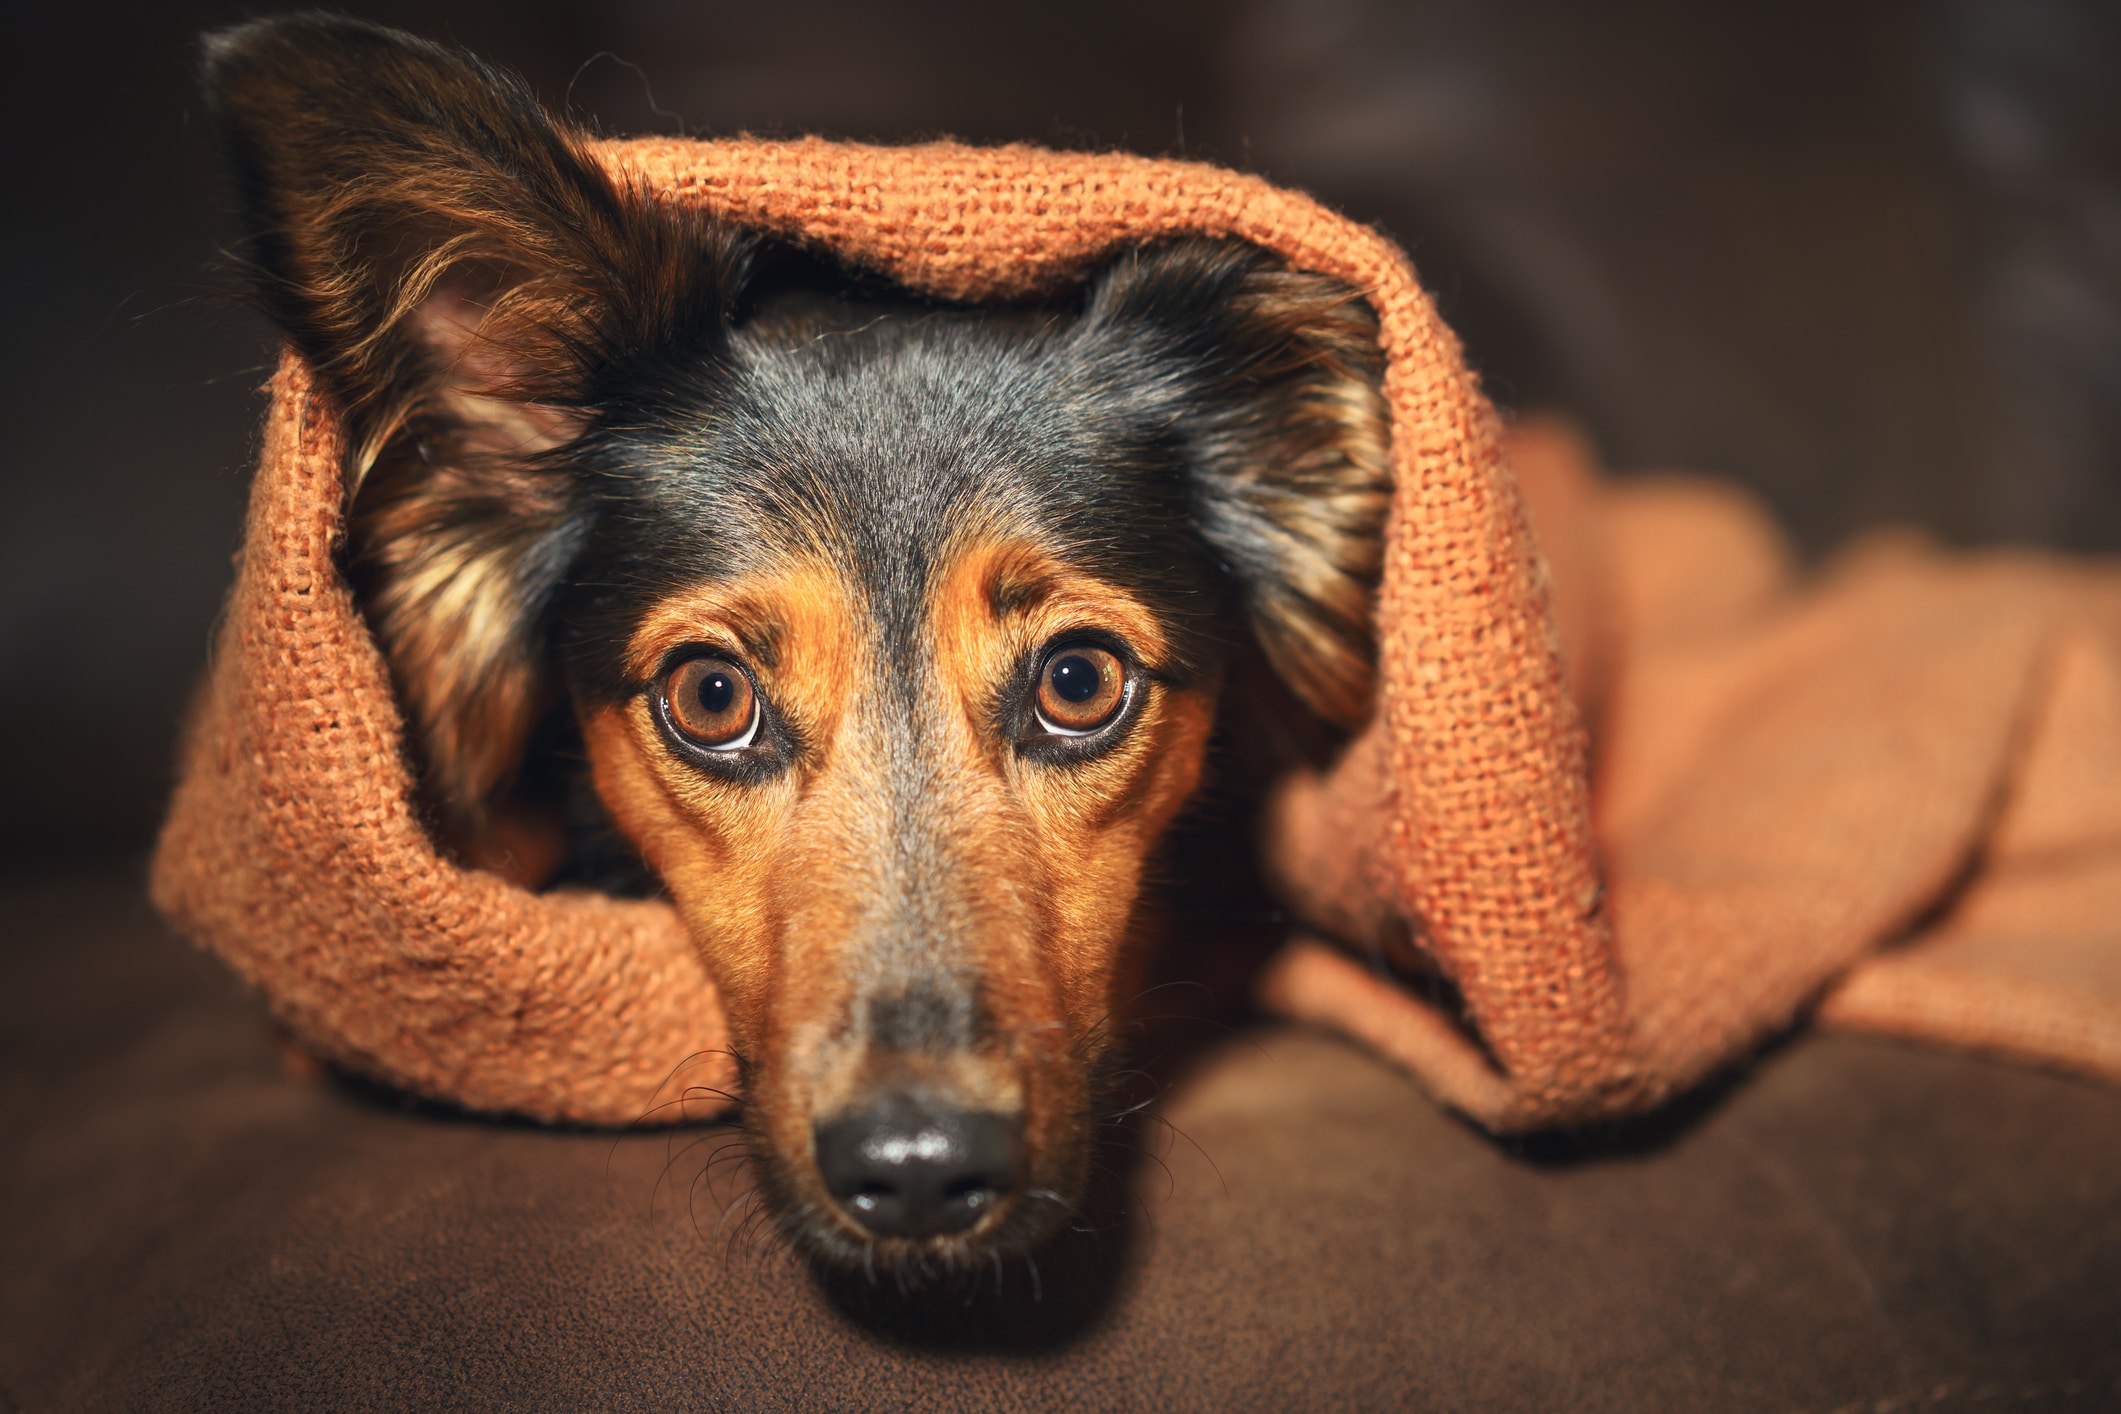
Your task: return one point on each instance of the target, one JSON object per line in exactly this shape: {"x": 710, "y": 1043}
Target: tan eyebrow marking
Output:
{"x": 761, "y": 641}
{"x": 1013, "y": 587}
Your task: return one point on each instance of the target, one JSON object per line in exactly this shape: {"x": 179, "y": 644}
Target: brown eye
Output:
{"x": 712, "y": 704}
{"x": 1080, "y": 688}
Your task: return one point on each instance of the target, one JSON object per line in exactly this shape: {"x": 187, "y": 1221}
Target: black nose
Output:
{"x": 908, "y": 1169}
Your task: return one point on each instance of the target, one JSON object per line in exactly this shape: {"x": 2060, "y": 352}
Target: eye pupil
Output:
{"x": 1076, "y": 678}
{"x": 717, "y": 692}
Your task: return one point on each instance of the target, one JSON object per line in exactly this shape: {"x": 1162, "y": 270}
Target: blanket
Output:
{"x": 1636, "y": 796}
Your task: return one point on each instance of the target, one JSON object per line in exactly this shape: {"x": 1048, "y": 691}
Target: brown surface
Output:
{"x": 183, "y": 1224}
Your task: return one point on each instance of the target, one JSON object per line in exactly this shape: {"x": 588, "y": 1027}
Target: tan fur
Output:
{"x": 774, "y": 878}
{"x": 1327, "y": 488}
{"x": 442, "y": 558}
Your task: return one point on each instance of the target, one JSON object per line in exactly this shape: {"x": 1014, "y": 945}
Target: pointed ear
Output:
{"x": 468, "y": 285}
{"x": 1274, "y": 384}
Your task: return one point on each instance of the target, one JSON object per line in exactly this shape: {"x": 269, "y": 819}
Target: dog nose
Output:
{"x": 904, "y": 1168}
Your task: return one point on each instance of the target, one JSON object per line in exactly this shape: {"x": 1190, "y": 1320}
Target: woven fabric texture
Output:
{"x": 1914, "y": 751}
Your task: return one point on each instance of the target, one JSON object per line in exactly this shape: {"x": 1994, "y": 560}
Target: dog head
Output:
{"x": 892, "y": 633}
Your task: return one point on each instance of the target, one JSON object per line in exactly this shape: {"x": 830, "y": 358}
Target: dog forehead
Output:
{"x": 882, "y": 447}
{"x": 907, "y": 430}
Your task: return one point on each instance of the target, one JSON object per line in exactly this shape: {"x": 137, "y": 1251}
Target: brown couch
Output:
{"x": 191, "y": 1222}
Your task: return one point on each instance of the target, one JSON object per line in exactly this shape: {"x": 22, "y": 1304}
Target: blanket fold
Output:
{"x": 1636, "y": 794}
{"x": 1893, "y": 791}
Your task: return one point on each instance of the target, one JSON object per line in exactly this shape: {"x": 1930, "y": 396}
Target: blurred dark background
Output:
{"x": 1864, "y": 258}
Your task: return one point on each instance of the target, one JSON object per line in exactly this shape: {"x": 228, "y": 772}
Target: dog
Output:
{"x": 893, "y": 634}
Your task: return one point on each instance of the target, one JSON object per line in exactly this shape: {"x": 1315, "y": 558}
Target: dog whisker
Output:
{"x": 670, "y": 1162}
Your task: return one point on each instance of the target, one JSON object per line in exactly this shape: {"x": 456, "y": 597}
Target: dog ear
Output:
{"x": 1271, "y": 380}
{"x": 467, "y": 283}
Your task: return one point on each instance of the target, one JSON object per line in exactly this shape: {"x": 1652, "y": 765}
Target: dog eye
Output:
{"x": 712, "y": 703}
{"x": 1081, "y": 687}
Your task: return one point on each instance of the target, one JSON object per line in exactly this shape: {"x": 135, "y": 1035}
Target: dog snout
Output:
{"x": 907, "y": 1167}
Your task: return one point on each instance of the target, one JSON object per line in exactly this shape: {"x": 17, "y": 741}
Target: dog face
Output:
{"x": 899, "y": 736}
{"x": 892, "y": 634}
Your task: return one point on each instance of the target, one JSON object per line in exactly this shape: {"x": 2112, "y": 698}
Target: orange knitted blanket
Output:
{"x": 1639, "y": 795}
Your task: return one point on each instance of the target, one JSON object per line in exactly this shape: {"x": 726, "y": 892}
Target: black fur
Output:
{"x": 1177, "y": 430}
{"x": 571, "y": 402}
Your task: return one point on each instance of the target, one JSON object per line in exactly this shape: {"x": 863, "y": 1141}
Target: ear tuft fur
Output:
{"x": 468, "y": 284}
{"x": 1286, "y": 440}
